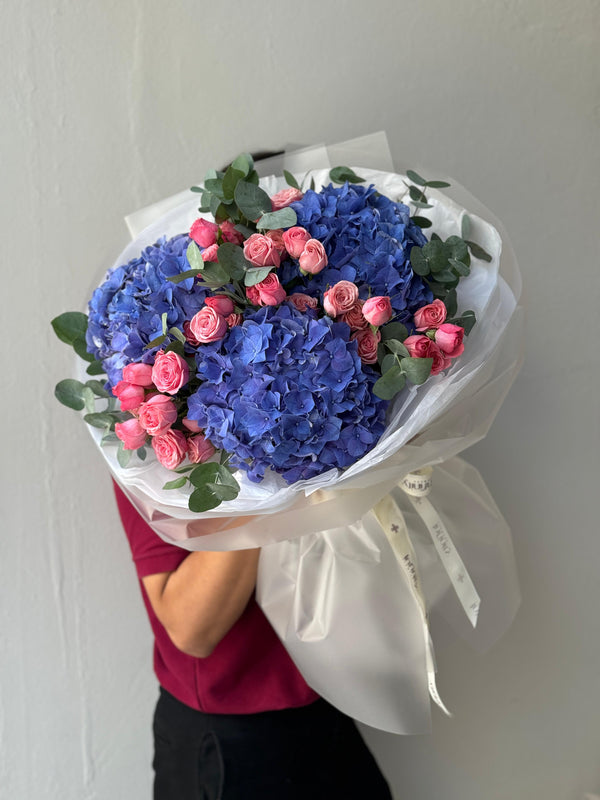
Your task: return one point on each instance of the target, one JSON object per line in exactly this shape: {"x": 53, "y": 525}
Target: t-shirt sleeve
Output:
{"x": 150, "y": 554}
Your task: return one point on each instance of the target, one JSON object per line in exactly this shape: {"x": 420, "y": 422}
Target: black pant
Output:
{"x": 309, "y": 753}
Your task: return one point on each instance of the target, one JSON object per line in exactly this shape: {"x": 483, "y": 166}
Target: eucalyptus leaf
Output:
{"x": 282, "y": 218}
{"x": 123, "y": 456}
{"x": 343, "y": 174}
{"x": 178, "y": 335}
{"x": 390, "y": 383}
{"x": 251, "y": 200}
{"x": 197, "y": 189}
{"x": 163, "y": 322}
{"x": 232, "y": 260}
{"x": 202, "y": 499}
{"x": 211, "y": 174}
{"x": 451, "y": 303}
{"x": 393, "y": 330}
{"x": 417, "y": 370}
{"x": 70, "y": 326}
{"x": 419, "y": 204}
{"x": 478, "y": 251}
{"x": 459, "y": 266}
{"x": 422, "y": 222}
{"x": 72, "y": 393}
{"x": 256, "y": 275}
{"x": 194, "y": 257}
{"x": 388, "y": 362}
{"x": 221, "y": 213}
{"x": 465, "y": 226}
{"x": 214, "y": 483}
{"x": 183, "y": 276}
{"x": 97, "y": 388}
{"x": 99, "y": 419}
{"x": 80, "y": 347}
{"x": 418, "y": 261}
{"x": 214, "y": 275}
{"x": 243, "y": 163}
{"x": 394, "y": 346}
{"x": 214, "y": 203}
{"x": 155, "y": 342}
{"x": 230, "y": 181}
{"x": 253, "y": 177}
{"x": 95, "y": 368}
{"x": 215, "y": 187}
{"x": 290, "y": 180}
{"x": 417, "y": 194}
{"x": 175, "y": 484}
{"x": 438, "y": 184}
{"x": 415, "y": 177}
{"x": 141, "y": 453}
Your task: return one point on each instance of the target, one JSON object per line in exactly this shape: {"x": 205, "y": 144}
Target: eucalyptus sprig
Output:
{"x": 212, "y": 482}
{"x": 396, "y": 364}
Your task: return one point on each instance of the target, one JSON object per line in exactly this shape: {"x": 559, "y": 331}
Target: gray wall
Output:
{"x": 108, "y": 106}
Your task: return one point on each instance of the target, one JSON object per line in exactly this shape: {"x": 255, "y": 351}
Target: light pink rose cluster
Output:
{"x": 269, "y": 292}
{"x": 206, "y": 235}
{"x": 261, "y": 251}
{"x": 447, "y": 344}
{"x": 285, "y": 197}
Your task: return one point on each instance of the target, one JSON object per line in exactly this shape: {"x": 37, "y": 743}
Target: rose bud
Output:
{"x": 420, "y": 346}
{"x": 294, "y": 240}
{"x": 270, "y": 291}
{"x": 157, "y": 414}
{"x": 449, "y": 338}
{"x": 277, "y": 238}
{"x": 220, "y": 303}
{"x": 191, "y": 425}
{"x": 354, "y": 317}
{"x": 138, "y": 374}
{"x": 203, "y": 232}
{"x": 340, "y": 298}
{"x": 285, "y": 197}
{"x": 430, "y": 316}
{"x": 130, "y": 396}
{"x": 261, "y": 251}
{"x": 377, "y": 310}
{"x": 211, "y": 253}
{"x": 131, "y": 434}
{"x": 199, "y": 449}
{"x": 208, "y": 325}
{"x": 170, "y": 448}
{"x": 170, "y": 372}
{"x": 367, "y": 345}
{"x": 313, "y": 258}
{"x": 234, "y": 319}
{"x": 302, "y": 301}
{"x": 229, "y": 233}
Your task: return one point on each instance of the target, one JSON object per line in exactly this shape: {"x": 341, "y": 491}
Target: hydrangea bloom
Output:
{"x": 368, "y": 239}
{"x": 125, "y": 311}
{"x": 287, "y": 390}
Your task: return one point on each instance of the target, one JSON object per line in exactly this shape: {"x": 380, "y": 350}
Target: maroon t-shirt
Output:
{"x": 248, "y": 671}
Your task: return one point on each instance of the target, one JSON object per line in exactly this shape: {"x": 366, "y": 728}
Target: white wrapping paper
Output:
{"x": 329, "y": 581}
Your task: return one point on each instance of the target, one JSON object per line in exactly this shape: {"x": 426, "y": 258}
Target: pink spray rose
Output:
{"x": 211, "y": 253}
{"x": 283, "y": 198}
{"x": 354, "y": 317}
{"x": 313, "y": 258}
{"x": 199, "y": 449}
{"x": 131, "y": 433}
{"x": 261, "y": 251}
{"x": 449, "y": 338}
{"x": 340, "y": 298}
{"x": 157, "y": 414}
{"x": 302, "y": 301}
{"x": 208, "y": 325}
{"x": 170, "y": 448}
{"x": 377, "y": 310}
{"x": 367, "y": 345}
{"x": 277, "y": 238}
{"x": 420, "y": 346}
{"x": 234, "y": 319}
{"x": 430, "y": 316}
{"x": 294, "y": 240}
{"x": 170, "y": 372}
{"x": 130, "y": 396}
{"x": 229, "y": 233}
{"x": 138, "y": 374}
{"x": 269, "y": 291}
{"x": 220, "y": 303}
{"x": 189, "y": 336}
{"x": 191, "y": 425}
{"x": 203, "y": 232}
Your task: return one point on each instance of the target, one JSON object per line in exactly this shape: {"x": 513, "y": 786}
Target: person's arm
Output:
{"x": 201, "y": 600}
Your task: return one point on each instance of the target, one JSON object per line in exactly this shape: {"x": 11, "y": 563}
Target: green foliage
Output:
{"x": 214, "y": 483}
{"x": 70, "y": 326}
{"x": 290, "y": 180}
{"x": 343, "y": 174}
{"x": 176, "y": 484}
{"x": 74, "y": 394}
{"x": 273, "y": 220}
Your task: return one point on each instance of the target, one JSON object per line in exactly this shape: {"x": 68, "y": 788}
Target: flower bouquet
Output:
{"x": 274, "y": 367}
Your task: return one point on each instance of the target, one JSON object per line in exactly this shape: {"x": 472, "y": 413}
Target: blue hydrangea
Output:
{"x": 287, "y": 391}
{"x": 368, "y": 239}
{"x": 125, "y": 311}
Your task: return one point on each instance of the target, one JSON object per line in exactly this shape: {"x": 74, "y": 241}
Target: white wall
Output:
{"x": 108, "y": 106}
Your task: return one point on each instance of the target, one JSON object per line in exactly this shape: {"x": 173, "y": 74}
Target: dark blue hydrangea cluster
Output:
{"x": 125, "y": 311}
{"x": 287, "y": 391}
{"x": 368, "y": 239}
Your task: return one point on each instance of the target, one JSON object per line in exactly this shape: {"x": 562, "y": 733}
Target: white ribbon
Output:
{"x": 392, "y": 522}
{"x": 417, "y": 486}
